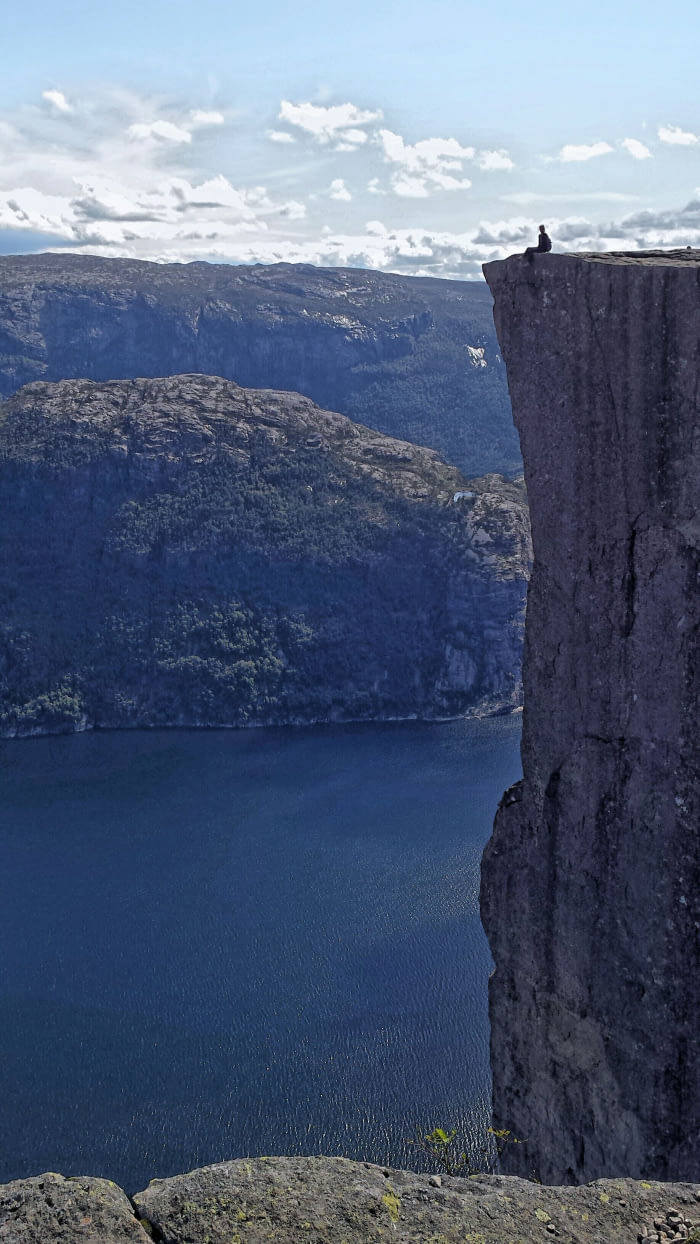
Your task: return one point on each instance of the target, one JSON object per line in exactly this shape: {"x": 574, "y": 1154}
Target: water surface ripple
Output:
{"x": 217, "y": 944}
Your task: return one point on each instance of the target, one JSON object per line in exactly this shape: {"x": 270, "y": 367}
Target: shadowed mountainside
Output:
{"x": 183, "y": 551}
{"x": 413, "y": 357}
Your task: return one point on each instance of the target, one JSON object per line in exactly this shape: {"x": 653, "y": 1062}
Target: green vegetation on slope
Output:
{"x": 183, "y": 551}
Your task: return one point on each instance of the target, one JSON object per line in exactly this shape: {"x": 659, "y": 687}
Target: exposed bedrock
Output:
{"x": 334, "y": 1201}
{"x": 591, "y": 881}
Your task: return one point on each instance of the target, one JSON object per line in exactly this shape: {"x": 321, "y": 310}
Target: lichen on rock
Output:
{"x": 336, "y": 1201}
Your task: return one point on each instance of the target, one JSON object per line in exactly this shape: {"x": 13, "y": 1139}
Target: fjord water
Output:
{"x": 218, "y": 944}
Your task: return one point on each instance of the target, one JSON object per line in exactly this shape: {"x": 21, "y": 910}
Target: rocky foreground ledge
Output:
{"x": 335, "y": 1201}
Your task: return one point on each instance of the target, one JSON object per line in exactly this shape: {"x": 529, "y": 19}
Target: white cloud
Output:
{"x": 495, "y": 161}
{"x": 87, "y": 191}
{"x": 58, "y": 100}
{"x": 645, "y": 230}
{"x": 525, "y": 197}
{"x": 414, "y": 251}
{"x": 408, "y": 187}
{"x": 160, "y": 131}
{"x": 127, "y": 177}
{"x": 636, "y": 149}
{"x": 339, "y": 124}
{"x": 429, "y": 153}
{"x": 280, "y": 136}
{"x": 338, "y": 190}
{"x": 293, "y": 210}
{"x": 676, "y": 136}
{"x": 352, "y": 138}
{"x": 27, "y": 208}
{"x": 99, "y": 199}
{"x": 216, "y": 193}
{"x": 571, "y": 153}
{"x": 201, "y": 117}
{"x": 425, "y": 166}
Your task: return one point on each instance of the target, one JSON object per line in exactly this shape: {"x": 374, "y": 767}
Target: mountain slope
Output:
{"x": 185, "y": 551}
{"x": 413, "y": 357}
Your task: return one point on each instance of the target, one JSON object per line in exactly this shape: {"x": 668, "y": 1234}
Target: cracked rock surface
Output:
{"x": 49, "y": 1209}
{"x": 591, "y": 882}
{"x": 335, "y": 1201}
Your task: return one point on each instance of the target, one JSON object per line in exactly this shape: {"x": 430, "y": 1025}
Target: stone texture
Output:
{"x": 50, "y": 1209}
{"x": 335, "y": 1201}
{"x": 591, "y": 882}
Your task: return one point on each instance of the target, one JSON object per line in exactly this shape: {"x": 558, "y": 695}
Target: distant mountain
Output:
{"x": 413, "y": 357}
{"x": 183, "y": 551}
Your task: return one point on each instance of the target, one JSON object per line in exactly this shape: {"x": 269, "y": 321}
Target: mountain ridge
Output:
{"x": 414, "y": 357}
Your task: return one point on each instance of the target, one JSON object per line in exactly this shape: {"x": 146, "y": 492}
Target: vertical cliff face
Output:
{"x": 591, "y": 882}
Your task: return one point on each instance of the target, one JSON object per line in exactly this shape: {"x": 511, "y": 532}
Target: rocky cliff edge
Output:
{"x": 335, "y": 1201}
{"x": 591, "y": 882}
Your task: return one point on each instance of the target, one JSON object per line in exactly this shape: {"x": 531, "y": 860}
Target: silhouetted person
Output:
{"x": 544, "y": 243}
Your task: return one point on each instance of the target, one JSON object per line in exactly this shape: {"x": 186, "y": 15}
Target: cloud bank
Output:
{"x": 120, "y": 174}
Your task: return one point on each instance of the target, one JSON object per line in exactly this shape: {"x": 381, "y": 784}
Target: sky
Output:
{"x": 414, "y": 138}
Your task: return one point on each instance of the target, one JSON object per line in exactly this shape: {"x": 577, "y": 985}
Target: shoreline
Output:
{"x": 478, "y": 713}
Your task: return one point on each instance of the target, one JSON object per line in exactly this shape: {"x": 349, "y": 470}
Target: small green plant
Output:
{"x": 503, "y": 1137}
{"x": 442, "y": 1147}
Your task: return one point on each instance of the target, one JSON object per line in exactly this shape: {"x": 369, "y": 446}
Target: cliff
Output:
{"x": 183, "y": 551}
{"x": 414, "y": 357}
{"x": 591, "y": 882}
{"x": 334, "y": 1201}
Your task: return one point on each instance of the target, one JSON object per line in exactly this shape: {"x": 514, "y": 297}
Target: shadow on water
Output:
{"x": 219, "y": 944}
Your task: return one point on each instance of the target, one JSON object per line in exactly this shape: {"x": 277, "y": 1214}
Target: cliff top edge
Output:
{"x": 682, "y": 257}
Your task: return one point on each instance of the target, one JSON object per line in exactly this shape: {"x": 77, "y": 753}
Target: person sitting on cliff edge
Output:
{"x": 544, "y": 243}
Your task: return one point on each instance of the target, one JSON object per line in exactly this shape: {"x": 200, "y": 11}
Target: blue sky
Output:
{"x": 399, "y": 136}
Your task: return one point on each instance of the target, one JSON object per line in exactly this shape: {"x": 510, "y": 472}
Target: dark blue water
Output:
{"x": 230, "y": 943}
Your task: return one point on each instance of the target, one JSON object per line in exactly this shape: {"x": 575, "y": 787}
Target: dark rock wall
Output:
{"x": 591, "y": 882}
